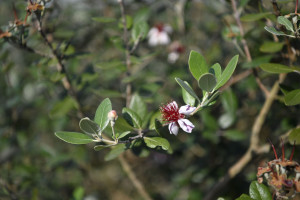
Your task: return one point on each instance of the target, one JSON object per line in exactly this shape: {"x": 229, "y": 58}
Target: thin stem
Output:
{"x": 296, "y": 8}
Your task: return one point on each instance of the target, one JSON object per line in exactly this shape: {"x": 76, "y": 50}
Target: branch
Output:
{"x": 254, "y": 143}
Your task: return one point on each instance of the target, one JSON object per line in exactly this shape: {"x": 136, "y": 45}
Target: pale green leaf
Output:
{"x": 294, "y": 136}
{"x": 138, "y": 105}
{"x": 227, "y": 73}
{"x": 187, "y": 98}
{"x": 273, "y": 31}
{"x": 73, "y": 137}
{"x": 271, "y": 47}
{"x": 132, "y": 118}
{"x": 115, "y": 152}
{"x": 292, "y": 98}
{"x": 275, "y": 68}
{"x": 153, "y": 142}
{"x": 197, "y": 64}
{"x": 207, "y": 82}
{"x": 287, "y": 23}
{"x": 89, "y": 127}
{"x": 255, "y": 16}
{"x": 101, "y": 113}
{"x": 187, "y": 88}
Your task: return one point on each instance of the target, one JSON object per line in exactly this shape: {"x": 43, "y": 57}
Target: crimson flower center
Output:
{"x": 170, "y": 113}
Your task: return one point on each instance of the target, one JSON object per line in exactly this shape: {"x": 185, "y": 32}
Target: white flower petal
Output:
{"x": 172, "y": 57}
{"x": 173, "y": 104}
{"x": 173, "y": 128}
{"x": 163, "y": 38}
{"x": 153, "y": 32}
{"x": 186, "y": 125}
{"x": 152, "y": 41}
{"x": 186, "y": 110}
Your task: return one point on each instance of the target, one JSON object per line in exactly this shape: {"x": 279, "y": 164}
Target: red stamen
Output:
{"x": 273, "y": 149}
{"x": 296, "y": 9}
{"x": 292, "y": 154}
{"x": 160, "y": 27}
{"x": 282, "y": 149}
{"x": 170, "y": 113}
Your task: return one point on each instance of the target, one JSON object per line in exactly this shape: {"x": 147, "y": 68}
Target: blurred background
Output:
{"x": 34, "y": 164}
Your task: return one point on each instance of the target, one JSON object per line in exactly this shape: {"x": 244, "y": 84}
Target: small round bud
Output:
{"x": 112, "y": 115}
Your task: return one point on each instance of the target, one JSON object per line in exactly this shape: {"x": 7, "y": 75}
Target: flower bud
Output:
{"x": 112, "y": 115}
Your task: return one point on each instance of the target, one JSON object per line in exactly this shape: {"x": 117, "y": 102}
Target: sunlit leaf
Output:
{"x": 187, "y": 98}
{"x": 115, "y": 152}
{"x": 287, "y": 23}
{"x": 255, "y": 16}
{"x": 259, "y": 191}
{"x": 273, "y": 30}
{"x": 187, "y": 88}
{"x": 207, "y": 82}
{"x": 138, "y": 105}
{"x": 89, "y": 127}
{"x": 227, "y": 73}
{"x": 275, "y": 68}
{"x": 101, "y": 113}
{"x": 73, "y": 137}
{"x": 292, "y": 98}
{"x": 294, "y": 136}
{"x": 244, "y": 197}
{"x": 271, "y": 47}
{"x": 197, "y": 64}
{"x": 153, "y": 142}
{"x": 132, "y": 118}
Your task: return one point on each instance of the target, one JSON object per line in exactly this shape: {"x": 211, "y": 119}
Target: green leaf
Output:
{"x": 63, "y": 107}
{"x": 73, "y": 137}
{"x": 275, "y": 68}
{"x": 217, "y": 71}
{"x": 292, "y": 98}
{"x": 101, "y": 113}
{"x": 229, "y": 101}
{"x": 227, "y": 73}
{"x": 197, "y": 64}
{"x": 142, "y": 14}
{"x": 129, "y": 22}
{"x": 140, "y": 30}
{"x": 294, "y": 136}
{"x": 115, "y": 152}
{"x": 244, "y": 197}
{"x": 124, "y": 134}
{"x": 259, "y": 191}
{"x": 187, "y": 98}
{"x": 138, "y": 105}
{"x": 132, "y": 118}
{"x": 257, "y": 61}
{"x": 235, "y": 135}
{"x": 122, "y": 125}
{"x": 157, "y": 141}
{"x": 271, "y": 47}
{"x": 273, "y": 31}
{"x": 207, "y": 82}
{"x": 89, "y": 127}
{"x": 100, "y": 147}
{"x": 187, "y": 88}
{"x": 104, "y": 19}
{"x": 255, "y": 16}
{"x": 287, "y": 23}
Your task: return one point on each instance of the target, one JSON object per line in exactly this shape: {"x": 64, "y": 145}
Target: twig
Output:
{"x": 139, "y": 186}
{"x": 254, "y": 143}
{"x": 236, "y": 14}
{"x": 125, "y": 165}
{"x": 127, "y": 52}
{"x": 61, "y": 68}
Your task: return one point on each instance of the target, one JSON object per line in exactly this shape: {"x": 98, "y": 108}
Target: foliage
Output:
{"x": 90, "y": 74}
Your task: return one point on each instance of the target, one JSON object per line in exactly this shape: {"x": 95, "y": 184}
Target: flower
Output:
{"x": 112, "y": 115}
{"x": 176, "y": 117}
{"x": 158, "y": 35}
{"x": 175, "y": 50}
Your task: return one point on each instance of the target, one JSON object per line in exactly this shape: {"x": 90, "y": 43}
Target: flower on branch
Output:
{"x": 158, "y": 35}
{"x": 175, "y": 117}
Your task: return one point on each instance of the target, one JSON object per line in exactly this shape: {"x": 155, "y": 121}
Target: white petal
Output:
{"x": 173, "y": 128}
{"x": 186, "y": 110}
{"x": 153, "y": 32}
{"x": 153, "y": 40}
{"x": 163, "y": 38}
{"x": 172, "y": 57}
{"x": 186, "y": 125}
{"x": 173, "y": 104}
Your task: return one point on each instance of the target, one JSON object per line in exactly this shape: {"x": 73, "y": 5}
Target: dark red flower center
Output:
{"x": 160, "y": 27}
{"x": 170, "y": 113}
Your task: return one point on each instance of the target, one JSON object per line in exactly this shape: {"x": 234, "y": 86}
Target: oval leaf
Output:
{"x": 285, "y": 22}
{"x": 123, "y": 134}
{"x": 294, "y": 136}
{"x": 292, "y": 98}
{"x": 275, "y": 68}
{"x": 101, "y": 113}
{"x": 89, "y": 127}
{"x": 100, "y": 147}
{"x": 187, "y": 98}
{"x": 157, "y": 141}
{"x": 197, "y": 64}
{"x": 271, "y": 47}
{"x": 259, "y": 191}
{"x": 187, "y": 88}
{"x": 207, "y": 82}
{"x": 73, "y": 137}
{"x": 138, "y": 105}
{"x": 217, "y": 71}
{"x": 255, "y": 16}
{"x": 115, "y": 152}
{"x": 227, "y": 73}
{"x": 244, "y": 197}
{"x": 273, "y": 31}
{"x": 132, "y": 118}
{"x": 140, "y": 30}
